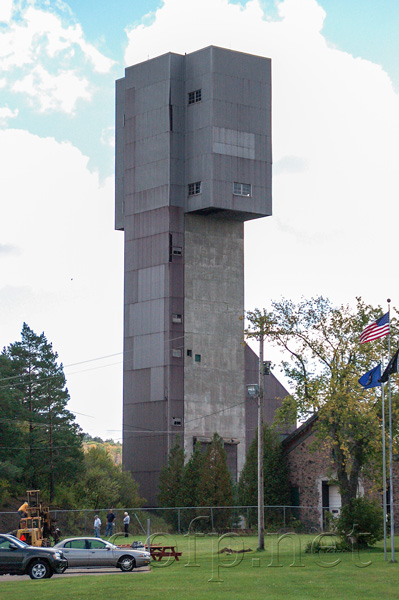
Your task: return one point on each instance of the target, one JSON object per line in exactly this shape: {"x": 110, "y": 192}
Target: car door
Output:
{"x": 100, "y": 554}
{"x": 11, "y": 556}
{"x": 76, "y": 552}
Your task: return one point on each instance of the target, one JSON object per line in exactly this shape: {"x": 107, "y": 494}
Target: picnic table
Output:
{"x": 158, "y": 552}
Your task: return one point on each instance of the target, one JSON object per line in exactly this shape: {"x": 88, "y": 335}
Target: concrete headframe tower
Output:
{"x": 193, "y": 162}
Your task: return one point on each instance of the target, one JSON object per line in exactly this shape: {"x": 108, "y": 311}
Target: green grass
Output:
{"x": 249, "y": 580}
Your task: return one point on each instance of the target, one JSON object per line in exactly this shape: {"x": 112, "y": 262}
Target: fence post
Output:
{"x": 212, "y": 518}
{"x": 178, "y": 521}
{"x": 284, "y": 516}
{"x": 148, "y": 534}
{"x": 85, "y": 522}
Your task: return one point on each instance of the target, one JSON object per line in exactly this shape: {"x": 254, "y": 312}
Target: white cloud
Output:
{"x": 108, "y": 137}
{"x": 335, "y": 147}
{"x": 5, "y": 10}
{"x": 61, "y": 267}
{"x": 6, "y": 114}
{"x": 37, "y": 47}
{"x": 54, "y": 92}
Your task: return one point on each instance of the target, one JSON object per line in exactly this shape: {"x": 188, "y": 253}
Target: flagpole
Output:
{"x": 390, "y": 447}
{"x": 384, "y": 472}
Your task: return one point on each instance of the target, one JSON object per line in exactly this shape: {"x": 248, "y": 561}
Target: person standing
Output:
{"x": 97, "y": 526}
{"x": 110, "y": 523}
{"x": 126, "y": 521}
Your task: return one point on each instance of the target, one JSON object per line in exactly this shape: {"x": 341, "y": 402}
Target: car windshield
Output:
{"x": 112, "y": 546}
{"x": 17, "y": 541}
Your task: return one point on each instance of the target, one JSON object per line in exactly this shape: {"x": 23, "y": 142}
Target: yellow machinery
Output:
{"x": 37, "y": 527}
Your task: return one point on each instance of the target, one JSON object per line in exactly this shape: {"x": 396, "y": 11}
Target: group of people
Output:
{"x": 110, "y": 524}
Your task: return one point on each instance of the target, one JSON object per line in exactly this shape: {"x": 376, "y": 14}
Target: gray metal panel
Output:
{"x": 148, "y": 351}
{"x": 119, "y": 151}
{"x": 146, "y": 317}
{"x": 151, "y": 175}
{"x": 147, "y": 200}
{"x": 148, "y": 223}
{"x": 157, "y": 384}
{"x": 151, "y": 122}
{"x": 147, "y": 252}
{"x": 137, "y": 385}
{"x": 151, "y": 283}
{"x": 150, "y": 150}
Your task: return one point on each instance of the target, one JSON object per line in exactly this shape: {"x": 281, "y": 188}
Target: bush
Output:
{"x": 326, "y": 543}
{"x": 361, "y": 521}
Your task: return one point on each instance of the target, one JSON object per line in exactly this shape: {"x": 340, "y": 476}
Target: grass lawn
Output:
{"x": 250, "y": 579}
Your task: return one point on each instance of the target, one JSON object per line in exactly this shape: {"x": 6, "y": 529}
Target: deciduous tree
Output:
{"x": 324, "y": 360}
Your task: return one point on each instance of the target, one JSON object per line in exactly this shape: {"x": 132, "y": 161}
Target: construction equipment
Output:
{"x": 37, "y": 527}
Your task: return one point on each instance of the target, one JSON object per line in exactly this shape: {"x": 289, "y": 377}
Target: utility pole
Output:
{"x": 390, "y": 448}
{"x": 261, "y": 513}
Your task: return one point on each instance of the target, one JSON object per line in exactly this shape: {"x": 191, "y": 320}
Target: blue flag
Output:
{"x": 371, "y": 378}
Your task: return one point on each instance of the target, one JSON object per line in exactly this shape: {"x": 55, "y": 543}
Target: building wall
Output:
{"x": 273, "y": 395}
{"x": 312, "y": 469}
{"x": 184, "y": 252}
{"x": 213, "y": 305}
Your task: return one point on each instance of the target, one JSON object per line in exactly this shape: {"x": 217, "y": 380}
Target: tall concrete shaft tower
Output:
{"x": 193, "y": 162}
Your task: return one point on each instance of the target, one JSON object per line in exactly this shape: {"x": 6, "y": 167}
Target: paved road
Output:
{"x": 79, "y": 572}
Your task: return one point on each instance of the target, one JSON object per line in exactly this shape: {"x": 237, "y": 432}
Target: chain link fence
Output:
{"x": 301, "y": 519}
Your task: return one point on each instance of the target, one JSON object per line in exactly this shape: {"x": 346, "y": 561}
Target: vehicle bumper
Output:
{"x": 60, "y": 565}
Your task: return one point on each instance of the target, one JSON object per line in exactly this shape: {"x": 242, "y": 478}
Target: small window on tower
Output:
{"x": 194, "y": 188}
{"x": 242, "y": 189}
{"x": 177, "y": 318}
{"x": 176, "y": 353}
{"x": 194, "y": 97}
{"x": 197, "y": 358}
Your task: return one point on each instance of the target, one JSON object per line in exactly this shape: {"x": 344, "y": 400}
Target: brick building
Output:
{"x": 314, "y": 489}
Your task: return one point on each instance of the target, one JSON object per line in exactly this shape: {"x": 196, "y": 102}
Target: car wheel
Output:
{"x": 127, "y": 563}
{"x": 39, "y": 569}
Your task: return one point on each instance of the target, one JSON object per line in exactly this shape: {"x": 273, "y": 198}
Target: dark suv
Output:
{"x": 17, "y": 558}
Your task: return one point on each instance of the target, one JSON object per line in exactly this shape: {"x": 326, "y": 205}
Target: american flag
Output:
{"x": 378, "y": 329}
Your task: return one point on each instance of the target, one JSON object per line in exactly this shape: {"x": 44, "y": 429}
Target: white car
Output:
{"x": 93, "y": 552}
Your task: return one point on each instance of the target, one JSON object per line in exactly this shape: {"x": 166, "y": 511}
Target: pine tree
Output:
{"x": 275, "y": 473}
{"x": 215, "y": 485}
{"x": 190, "y": 484}
{"x": 46, "y": 429}
{"x": 170, "y": 481}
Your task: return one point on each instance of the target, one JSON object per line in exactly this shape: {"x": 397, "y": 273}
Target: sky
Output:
{"x": 333, "y": 232}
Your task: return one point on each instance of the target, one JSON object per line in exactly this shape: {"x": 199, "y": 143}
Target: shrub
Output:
{"x": 358, "y": 518}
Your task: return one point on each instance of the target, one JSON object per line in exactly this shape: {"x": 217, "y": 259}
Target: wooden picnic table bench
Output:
{"x": 158, "y": 552}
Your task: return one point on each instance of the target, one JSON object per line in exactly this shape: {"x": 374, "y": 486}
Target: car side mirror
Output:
{"x": 13, "y": 546}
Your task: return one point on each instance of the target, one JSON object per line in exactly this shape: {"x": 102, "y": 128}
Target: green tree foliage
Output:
{"x": 204, "y": 480}
{"x": 170, "y": 481}
{"x": 190, "y": 485}
{"x": 42, "y": 438}
{"x": 361, "y": 516}
{"x": 215, "y": 484}
{"x": 324, "y": 362}
{"x": 104, "y": 484}
{"x": 275, "y": 473}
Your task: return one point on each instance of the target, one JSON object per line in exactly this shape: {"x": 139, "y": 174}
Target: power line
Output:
{"x": 61, "y": 366}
